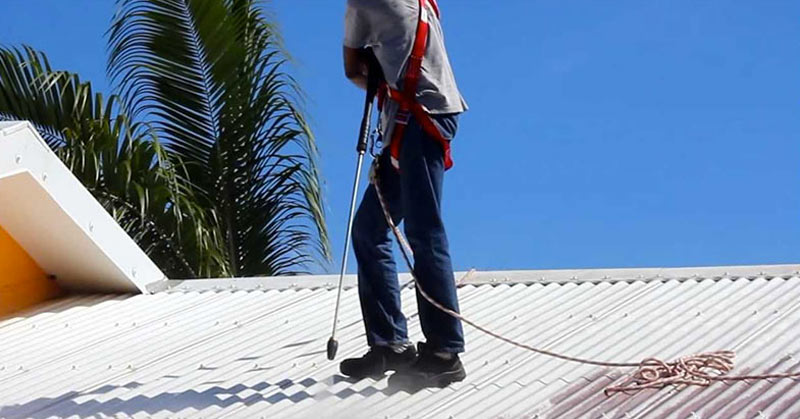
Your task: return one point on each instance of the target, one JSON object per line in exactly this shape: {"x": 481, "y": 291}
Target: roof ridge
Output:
{"x": 474, "y": 277}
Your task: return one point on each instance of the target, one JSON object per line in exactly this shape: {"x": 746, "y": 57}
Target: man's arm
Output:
{"x": 356, "y": 66}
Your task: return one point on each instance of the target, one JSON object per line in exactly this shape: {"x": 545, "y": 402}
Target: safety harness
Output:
{"x": 407, "y": 97}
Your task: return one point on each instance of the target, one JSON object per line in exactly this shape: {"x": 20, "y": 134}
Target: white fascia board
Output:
{"x": 60, "y": 224}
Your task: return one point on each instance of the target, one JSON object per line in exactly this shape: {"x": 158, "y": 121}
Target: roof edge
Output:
{"x": 60, "y": 224}
{"x": 474, "y": 277}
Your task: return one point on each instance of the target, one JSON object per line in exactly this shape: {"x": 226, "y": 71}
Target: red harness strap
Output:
{"x": 407, "y": 98}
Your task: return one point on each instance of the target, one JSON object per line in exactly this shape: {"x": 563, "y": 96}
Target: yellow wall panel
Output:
{"x": 22, "y": 282}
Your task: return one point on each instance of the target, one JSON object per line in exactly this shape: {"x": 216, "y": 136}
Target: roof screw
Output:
{"x": 91, "y": 227}
{"x": 216, "y": 323}
{"x": 133, "y": 272}
{"x": 18, "y": 159}
{"x": 130, "y": 366}
{"x": 515, "y": 317}
{"x": 625, "y": 315}
{"x": 574, "y": 278}
{"x": 698, "y": 313}
{"x": 541, "y": 279}
{"x": 485, "y": 363}
{"x": 109, "y": 366}
{"x": 33, "y": 326}
{"x": 776, "y": 311}
{"x": 74, "y": 368}
{"x": 570, "y": 316}
{"x": 44, "y": 177}
{"x": 236, "y": 323}
{"x": 507, "y": 362}
{"x": 755, "y": 312}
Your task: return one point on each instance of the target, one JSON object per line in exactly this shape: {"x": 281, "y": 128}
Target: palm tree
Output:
{"x": 204, "y": 154}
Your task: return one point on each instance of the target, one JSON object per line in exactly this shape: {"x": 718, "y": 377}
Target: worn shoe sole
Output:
{"x": 376, "y": 375}
{"x": 416, "y": 382}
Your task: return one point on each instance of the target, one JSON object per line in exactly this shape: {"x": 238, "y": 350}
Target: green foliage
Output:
{"x": 121, "y": 163}
{"x": 218, "y": 176}
{"x": 208, "y": 75}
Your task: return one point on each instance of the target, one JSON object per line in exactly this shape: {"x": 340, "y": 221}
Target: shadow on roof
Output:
{"x": 271, "y": 393}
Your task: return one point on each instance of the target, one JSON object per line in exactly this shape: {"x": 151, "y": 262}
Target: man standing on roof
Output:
{"x": 419, "y": 117}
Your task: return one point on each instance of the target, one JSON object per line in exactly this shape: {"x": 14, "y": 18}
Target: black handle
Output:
{"x": 374, "y": 77}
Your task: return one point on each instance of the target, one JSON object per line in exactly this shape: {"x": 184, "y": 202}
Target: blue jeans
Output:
{"x": 413, "y": 195}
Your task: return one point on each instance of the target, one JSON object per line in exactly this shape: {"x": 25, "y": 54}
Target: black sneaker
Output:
{"x": 430, "y": 370}
{"x": 377, "y": 361}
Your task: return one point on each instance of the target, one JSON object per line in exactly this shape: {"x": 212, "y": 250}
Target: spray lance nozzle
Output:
{"x": 333, "y": 346}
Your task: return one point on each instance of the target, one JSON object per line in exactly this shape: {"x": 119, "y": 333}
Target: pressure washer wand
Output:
{"x": 361, "y": 148}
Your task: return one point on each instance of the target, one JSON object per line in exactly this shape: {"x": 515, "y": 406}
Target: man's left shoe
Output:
{"x": 432, "y": 369}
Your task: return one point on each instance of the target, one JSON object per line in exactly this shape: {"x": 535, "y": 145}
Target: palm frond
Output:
{"x": 209, "y": 76}
{"x": 24, "y": 94}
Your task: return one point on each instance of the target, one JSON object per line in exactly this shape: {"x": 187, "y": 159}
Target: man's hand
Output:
{"x": 356, "y": 66}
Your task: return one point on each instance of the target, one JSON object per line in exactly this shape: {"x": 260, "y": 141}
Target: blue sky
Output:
{"x": 601, "y": 134}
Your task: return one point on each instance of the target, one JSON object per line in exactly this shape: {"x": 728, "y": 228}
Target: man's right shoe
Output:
{"x": 432, "y": 369}
{"x": 377, "y": 361}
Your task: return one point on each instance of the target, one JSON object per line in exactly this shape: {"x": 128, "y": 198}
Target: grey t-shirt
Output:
{"x": 389, "y": 28}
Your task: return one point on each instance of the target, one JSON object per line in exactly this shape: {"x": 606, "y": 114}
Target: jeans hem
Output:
{"x": 449, "y": 349}
{"x": 387, "y": 343}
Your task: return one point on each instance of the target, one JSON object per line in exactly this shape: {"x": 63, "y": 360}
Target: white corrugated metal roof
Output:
{"x": 261, "y": 353}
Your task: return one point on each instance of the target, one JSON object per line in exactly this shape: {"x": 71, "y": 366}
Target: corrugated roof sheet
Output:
{"x": 262, "y": 353}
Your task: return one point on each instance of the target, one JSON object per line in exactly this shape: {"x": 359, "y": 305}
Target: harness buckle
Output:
{"x": 376, "y": 143}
